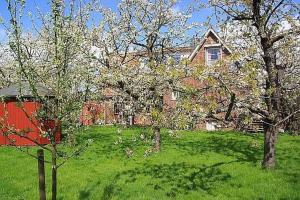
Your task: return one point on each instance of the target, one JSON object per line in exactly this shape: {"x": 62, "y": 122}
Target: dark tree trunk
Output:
{"x": 41, "y": 172}
{"x": 272, "y": 101}
{"x": 54, "y": 175}
{"x": 230, "y": 106}
{"x": 157, "y": 138}
{"x": 270, "y": 138}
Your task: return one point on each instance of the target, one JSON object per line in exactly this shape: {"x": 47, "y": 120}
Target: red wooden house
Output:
{"x": 18, "y": 123}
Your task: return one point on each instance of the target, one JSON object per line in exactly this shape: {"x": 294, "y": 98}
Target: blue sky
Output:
{"x": 44, "y": 6}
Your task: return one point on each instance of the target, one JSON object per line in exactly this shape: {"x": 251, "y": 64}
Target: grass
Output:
{"x": 195, "y": 165}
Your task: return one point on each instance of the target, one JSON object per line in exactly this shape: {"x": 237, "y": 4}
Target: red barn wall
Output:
{"x": 18, "y": 118}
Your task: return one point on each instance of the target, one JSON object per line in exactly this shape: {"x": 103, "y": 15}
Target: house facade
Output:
{"x": 109, "y": 110}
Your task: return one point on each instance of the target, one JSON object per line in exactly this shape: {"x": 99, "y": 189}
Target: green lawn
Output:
{"x": 195, "y": 165}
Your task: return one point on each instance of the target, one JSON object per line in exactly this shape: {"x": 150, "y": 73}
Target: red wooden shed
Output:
{"x": 18, "y": 109}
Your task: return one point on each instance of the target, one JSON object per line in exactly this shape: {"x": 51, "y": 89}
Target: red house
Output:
{"x": 207, "y": 51}
{"x": 18, "y": 123}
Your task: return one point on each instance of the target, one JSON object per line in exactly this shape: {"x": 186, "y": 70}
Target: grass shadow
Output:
{"x": 111, "y": 189}
{"x": 242, "y": 150}
{"x": 178, "y": 178}
{"x": 87, "y": 191}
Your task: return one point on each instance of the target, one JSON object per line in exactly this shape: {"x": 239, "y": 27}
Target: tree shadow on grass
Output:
{"x": 242, "y": 150}
{"x": 178, "y": 178}
{"x": 87, "y": 191}
{"x": 112, "y": 189}
{"x": 109, "y": 190}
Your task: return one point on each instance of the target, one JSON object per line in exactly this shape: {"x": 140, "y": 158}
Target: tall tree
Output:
{"x": 261, "y": 23}
{"x": 134, "y": 45}
{"x": 50, "y": 55}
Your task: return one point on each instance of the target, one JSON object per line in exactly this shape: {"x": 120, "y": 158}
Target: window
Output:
{"x": 175, "y": 95}
{"x": 212, "y": 55}
{"x": 143, "y": 61}
{"x": 176, "y": 57}
{"x": 117, "y": 108}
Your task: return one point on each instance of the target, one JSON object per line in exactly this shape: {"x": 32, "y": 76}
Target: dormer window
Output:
{"x": 213, "y": 54}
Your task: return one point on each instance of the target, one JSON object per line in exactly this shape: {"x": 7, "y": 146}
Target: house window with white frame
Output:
{"x": 143, "y": 62}
{"x": 175, "y": 95}
{"x": 176, "y": 58}
{"x": 213, "y": 54}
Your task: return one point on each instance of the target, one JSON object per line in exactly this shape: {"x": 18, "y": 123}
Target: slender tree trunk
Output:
{"x": 157, "y": 138}
{"x": 270, "y": 138}
{"x": 54, "y": 175}
{"x": 41, "y": 171}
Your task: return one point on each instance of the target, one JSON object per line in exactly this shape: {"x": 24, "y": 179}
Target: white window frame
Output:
{"x": 177, "y": 57}
{"x": 206, "y": 55}
{"x": 143, "y": 62}
{"x": 175, "y": 95}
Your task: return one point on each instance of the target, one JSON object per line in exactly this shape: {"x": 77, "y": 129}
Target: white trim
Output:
{"x": 220, "y": 40}
{"x": 194, "y": 53}
{"x": 212, "y": 45}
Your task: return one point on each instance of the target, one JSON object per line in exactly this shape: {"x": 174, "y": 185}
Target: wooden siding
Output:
{"x": 18, "y": 117}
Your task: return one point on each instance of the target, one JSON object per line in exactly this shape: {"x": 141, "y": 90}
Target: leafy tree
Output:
{"x": 50, "y": 55}
{"x": 6, "y": 72}
{"x": 133, "y": 48}
{"x": 261, "y": 43}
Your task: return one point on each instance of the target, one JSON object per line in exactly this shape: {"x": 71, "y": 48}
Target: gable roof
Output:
{"x": 198, "y": 47}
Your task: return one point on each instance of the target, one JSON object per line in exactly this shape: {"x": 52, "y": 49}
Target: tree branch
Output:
{"x": 286, "y": 118}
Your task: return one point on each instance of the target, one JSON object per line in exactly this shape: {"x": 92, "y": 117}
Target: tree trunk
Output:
{"x": 54, "y": 175}
{"x": 270, "y": 137}
{"x": 272, "y": 101}
{"x": 41, "y": 172}
{"x": 157, "y": 138}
